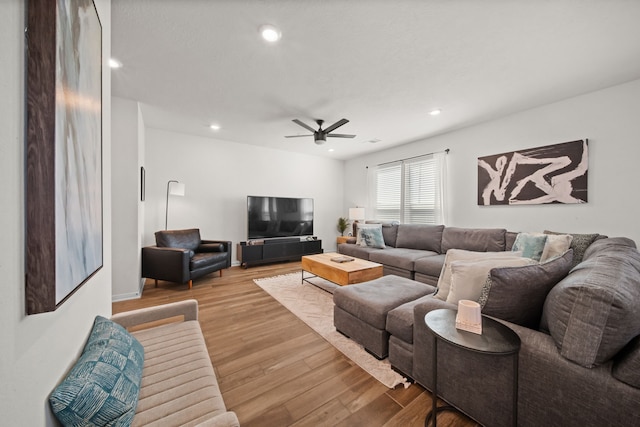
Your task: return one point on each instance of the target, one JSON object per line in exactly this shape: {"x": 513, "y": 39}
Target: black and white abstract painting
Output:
{"x": 78, "y": 147}
{"x": 543, "y": 175}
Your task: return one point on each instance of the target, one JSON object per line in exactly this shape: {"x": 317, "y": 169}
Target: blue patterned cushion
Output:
{"x": 531, "y": 244}
{"x": 103, "y": 385}
{"x": 371, "y": 237}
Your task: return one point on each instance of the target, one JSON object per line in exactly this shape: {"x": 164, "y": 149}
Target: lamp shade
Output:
{"x": 356, "y": 214}
{"x": 177, "y": 189}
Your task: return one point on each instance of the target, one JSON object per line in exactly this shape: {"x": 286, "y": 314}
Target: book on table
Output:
{"x": 341, "y": 259}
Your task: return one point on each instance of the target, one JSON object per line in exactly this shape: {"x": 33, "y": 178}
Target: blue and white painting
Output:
{"x": 78, "y": 145}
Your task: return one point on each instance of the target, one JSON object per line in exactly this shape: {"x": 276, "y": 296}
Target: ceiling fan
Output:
{"x": 320, "y": 135}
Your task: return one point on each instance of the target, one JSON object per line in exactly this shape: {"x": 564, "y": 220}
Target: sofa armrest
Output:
{"x": 225, "y": 419}
{"x": 188, "y": 309}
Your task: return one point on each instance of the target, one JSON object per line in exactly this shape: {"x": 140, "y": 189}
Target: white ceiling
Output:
{"x": 381, "y": 64}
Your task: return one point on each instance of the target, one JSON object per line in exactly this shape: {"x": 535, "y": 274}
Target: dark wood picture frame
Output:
{"x": 64, "y": 201}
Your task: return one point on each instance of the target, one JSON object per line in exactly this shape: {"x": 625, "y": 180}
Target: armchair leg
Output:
{"x": 190, "y": 284}
{"x": 156, "y": 282}
{"x": 220, "y": 273}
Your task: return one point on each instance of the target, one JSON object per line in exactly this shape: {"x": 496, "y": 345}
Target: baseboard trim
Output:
{"x": 130, "y": 295}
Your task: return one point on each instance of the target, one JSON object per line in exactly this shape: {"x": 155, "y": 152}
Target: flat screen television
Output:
{"x": 272, "y": 217}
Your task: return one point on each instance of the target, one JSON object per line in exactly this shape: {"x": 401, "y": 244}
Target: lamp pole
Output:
{"x": 166, "y": 210}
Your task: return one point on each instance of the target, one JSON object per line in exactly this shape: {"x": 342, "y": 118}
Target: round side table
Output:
{"x": 496, "y": 339}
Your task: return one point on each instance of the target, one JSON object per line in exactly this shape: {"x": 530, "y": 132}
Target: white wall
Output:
{"x": 127, "y": 152}
{"x": 608, "y": 118}
{"x": 219, "y": 175}
{"x": 37, "y": 350}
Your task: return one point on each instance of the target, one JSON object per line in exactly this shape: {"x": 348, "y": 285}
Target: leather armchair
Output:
{"x": 181, "y": 256}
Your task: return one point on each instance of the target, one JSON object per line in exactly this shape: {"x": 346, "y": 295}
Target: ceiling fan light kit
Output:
{"x": 320, "y": 135}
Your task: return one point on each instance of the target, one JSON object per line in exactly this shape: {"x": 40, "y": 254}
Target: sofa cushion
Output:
{"x": 103, "y": 385}
{"x": 509, "y": 239}
{"x": 357, "y": 251}
{"x": 444, "y": 281}
{"x": 517, "y": 294}
{"x": 179, "y": 385}
{"x": 592, "y": 313}
{"x": 402, "y": 258}
{"x": 371, "y": 237}
{"x": 400, "y": 319}
{"x": 556, "y": 245}
{"x": 183, "y": 239}
{"x": 420, "y": 236}
{"x": 468, "y": 277}
{"x": 579, "y": 244}
{"x": 205, "y": 259}
{"x": 531, "y": 245}
{"x": 626, "y": 366}
{"x": 473, "y": 239}
{"x": 430, "y": 265}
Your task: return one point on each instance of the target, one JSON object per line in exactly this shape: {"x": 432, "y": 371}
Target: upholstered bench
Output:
{"x": 360, "y": 310}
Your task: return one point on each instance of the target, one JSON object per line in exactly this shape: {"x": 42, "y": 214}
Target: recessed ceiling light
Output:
{"x": 114, "y": 63}
{"x": 270, "y": 33}
{"x": 331, "y": 150}
{"x": 214, "y": 127}
{"x": 435, "y": 112}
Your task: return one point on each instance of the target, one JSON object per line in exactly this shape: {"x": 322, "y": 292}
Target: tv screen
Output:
{"x": 270, "y": 217}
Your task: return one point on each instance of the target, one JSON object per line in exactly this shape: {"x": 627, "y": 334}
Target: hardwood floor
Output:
{"x": 274, "y": 370}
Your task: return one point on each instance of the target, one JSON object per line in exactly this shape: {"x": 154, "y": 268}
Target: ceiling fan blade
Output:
{"x": 341, "y": 135}
{"x": 304, "y": 125}
{"x": 336, "y": 125}
{"x": 297, "y": 136}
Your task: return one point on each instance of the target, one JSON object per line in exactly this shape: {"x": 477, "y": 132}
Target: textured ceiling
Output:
{"x": 381, "y": 64}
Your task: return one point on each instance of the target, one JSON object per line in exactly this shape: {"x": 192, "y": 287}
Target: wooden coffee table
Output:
{"x": 340, "y": 273}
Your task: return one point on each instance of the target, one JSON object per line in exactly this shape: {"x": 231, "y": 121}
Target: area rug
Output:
{"x": 314, "y": 306}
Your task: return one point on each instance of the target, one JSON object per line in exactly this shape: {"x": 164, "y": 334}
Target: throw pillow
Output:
{"x": 371, "y": 237}
{"x": 103, "y": 385}
{"x": 556, "y": 245}
{"x": 360, "y": 226}
{"x": 444, "y": 281}
{"x": 468, "y": 277}
{"x": 579, "y": 244}
{"x": 517, "y": 294}
{"x": 531, "y": 244}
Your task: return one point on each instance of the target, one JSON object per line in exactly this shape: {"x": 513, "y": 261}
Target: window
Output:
{"x": 410, "y": 191}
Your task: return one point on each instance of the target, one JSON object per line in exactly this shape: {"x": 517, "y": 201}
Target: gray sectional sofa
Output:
{"x": 579, "y": 362}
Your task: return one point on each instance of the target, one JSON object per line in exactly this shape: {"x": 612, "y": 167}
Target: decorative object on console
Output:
{"x": 177, "y": 189}
{"x": 63, "y": 153}
{"x": 542, "y": 175}
{"x": 469, "y": 317}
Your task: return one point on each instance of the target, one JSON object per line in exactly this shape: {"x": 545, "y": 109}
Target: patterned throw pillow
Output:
{"x": 371, "y": 237}
{"x": 579, "y": 244}
{"x": 531, "y": 244}
{"x": 103, "y": 385}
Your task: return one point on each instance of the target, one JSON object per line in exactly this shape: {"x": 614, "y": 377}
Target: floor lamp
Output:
{"x": 176, "y": 189}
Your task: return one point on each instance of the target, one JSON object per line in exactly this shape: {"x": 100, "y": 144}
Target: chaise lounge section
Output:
{"x": 576, "y": 316}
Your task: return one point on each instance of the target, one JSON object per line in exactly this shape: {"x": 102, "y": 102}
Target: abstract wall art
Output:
{"x": 544, "y": 175}
{"x": 64, "y": 224}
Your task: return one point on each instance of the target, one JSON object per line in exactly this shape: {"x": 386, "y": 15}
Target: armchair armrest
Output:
{"x": 188, "y": 309}
{"x": 171, "y": 264}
